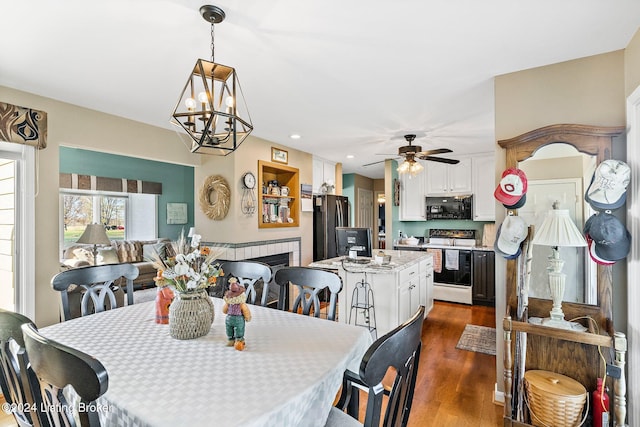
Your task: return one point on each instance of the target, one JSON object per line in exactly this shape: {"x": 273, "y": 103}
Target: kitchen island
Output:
{"x": 397, "y": 289}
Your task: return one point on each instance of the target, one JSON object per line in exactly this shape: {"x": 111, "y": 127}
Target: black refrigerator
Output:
{"x": 329, "y": 211}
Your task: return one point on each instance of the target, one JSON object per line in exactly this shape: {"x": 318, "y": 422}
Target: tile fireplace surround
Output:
{"x": 251, "y": 250}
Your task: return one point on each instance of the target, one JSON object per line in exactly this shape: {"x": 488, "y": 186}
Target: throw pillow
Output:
{"x": 83, "y": 255}
{"x": 107, "y": 256}
{"x": 151, "y": 250}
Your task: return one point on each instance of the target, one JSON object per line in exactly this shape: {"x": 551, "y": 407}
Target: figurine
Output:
{"x": 164, "y": 298}
{"x": 237, "y": 311}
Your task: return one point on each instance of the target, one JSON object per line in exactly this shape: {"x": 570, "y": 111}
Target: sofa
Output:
{"x": 137, "y": 252}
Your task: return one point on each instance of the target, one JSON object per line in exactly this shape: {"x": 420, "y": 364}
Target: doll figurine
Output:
{"x": 164, "y": 298}
{"x": 237, "y": 311}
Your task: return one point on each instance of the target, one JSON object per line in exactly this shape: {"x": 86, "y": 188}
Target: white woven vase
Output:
{"x": 190, "y": 315}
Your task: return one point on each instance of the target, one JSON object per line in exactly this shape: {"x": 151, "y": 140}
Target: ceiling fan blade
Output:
{"x": 436, "y": 151}
{"x": 439, "y": 160}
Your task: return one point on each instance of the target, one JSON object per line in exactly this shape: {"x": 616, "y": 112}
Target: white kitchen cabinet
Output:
{"x": 426, "y": 284}
{"x": 483, "y": 170}
{"x": 323, "y": 171}
{"x": 412, "y": 196}
{"x": 445, "y": 179}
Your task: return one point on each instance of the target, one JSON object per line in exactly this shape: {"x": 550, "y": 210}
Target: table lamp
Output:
{"x": 95, "y": 235}
{"x": 557, "y": 230}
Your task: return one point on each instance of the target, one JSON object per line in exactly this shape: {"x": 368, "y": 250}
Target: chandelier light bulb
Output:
{"x": 190, "y": 103}
{"x": 203, "y": 98}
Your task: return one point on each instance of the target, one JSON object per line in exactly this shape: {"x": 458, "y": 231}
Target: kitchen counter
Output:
{"x": 399, "y": 261}
{"x": 381, "y": 297}
{"x": 425, "y": 246}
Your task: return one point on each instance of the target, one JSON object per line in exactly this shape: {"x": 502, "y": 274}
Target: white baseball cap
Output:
{"x": 608, "y": 188}
{"x": 512, "y": 232}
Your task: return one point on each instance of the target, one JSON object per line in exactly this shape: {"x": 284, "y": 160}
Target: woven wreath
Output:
{"x": 215, "y": 197}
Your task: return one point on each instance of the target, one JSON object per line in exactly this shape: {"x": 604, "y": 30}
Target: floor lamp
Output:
{"x": 95, "y": 235}
{"x": 558, "y": 230}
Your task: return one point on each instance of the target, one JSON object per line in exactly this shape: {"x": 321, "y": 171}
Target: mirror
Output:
{"x": 595, "y": 142}
{"x": 558, "y": 173}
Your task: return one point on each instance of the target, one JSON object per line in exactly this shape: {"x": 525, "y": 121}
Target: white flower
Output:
{"x": 195, "y": 240}
{"x": 181, "y": 268}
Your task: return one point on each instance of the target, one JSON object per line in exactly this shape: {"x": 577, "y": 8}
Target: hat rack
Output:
{"x": 548, "y": 348}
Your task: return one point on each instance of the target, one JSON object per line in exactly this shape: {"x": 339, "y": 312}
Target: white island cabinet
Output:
{"x": 398, "y": 288}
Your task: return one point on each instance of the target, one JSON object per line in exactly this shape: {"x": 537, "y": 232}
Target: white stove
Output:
{"x": 452, "y": 265}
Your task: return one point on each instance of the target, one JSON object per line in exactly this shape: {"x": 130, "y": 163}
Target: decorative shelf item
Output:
{"x": 278, "y": 202}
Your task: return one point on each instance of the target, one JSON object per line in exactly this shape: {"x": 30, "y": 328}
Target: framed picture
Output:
{"x": 176, "y": 213}
{"x": 280, "y": 156}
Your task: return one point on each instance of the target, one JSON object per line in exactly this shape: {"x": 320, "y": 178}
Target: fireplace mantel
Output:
{"x": 251, "y": 250}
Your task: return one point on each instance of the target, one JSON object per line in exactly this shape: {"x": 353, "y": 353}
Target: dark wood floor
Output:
{"x": 454, "y": 387}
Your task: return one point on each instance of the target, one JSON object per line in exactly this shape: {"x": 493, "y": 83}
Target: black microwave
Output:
{"x": 450, "y": 207}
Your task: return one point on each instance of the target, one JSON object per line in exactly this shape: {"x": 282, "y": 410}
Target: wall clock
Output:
{"x": 249, "y": 180}
{"x": 215, "y": 197}
{"x": 248, "y": 203}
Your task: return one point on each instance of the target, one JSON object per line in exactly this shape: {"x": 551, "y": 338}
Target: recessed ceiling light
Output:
{"x": 295, "y": 136}
{"x": 350, "y": 156}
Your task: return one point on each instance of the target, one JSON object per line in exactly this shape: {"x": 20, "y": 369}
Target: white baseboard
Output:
{"x": 498, "y": 396}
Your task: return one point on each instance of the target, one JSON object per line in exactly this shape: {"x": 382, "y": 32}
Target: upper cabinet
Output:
{"x": 412, "y": 195}
{"x": 482, "y": 169}
{"x": 323, "y": 172}
{"x": 445, "y": 179}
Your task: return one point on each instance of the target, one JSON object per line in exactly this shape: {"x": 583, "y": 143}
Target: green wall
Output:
{"x": 177, "y": 180}
{"x": 349, "y": 190}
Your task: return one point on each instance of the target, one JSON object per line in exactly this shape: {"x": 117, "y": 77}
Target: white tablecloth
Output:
{"x": 288, "y": 375}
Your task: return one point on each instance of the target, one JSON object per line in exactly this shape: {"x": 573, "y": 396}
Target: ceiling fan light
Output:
{"x": 404, "y": 167}
{"x": 415, "y": 168}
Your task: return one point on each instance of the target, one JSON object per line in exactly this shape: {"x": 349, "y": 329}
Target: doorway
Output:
{"x": 17, "y": 228}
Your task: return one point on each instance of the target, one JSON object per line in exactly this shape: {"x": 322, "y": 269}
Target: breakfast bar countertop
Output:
{"x": 399, "y": 261}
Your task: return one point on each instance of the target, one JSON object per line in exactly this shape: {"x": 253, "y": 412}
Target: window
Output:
{"x": 125, "y": 217}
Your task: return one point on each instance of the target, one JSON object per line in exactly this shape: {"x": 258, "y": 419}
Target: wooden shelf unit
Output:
{"x": 286, "y": 176}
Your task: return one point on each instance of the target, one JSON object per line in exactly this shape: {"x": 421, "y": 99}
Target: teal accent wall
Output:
{"x": 349, "y": 190}
{"x": 177, "y": 180}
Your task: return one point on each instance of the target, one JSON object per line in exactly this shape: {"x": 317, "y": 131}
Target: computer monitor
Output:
{"x": 353, "y": 239}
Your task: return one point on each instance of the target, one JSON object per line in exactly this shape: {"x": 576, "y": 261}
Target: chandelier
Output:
{"x": 212, "y": 109}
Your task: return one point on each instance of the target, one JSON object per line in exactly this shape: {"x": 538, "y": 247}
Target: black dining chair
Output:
{"x": 57, "y": 366}
{"x": 98, "y": 285}
{"x": 18, "y": 382}
{"x": 254, "y": 275}
{"x": 398, "y": 349}
{"x": 310, "y": 283}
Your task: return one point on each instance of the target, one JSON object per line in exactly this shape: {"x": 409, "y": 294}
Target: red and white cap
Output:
{"x": 512, "y": 187}
{"x": 594, "y": 256}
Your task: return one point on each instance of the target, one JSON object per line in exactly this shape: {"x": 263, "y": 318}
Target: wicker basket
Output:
{"x": 554, "y": 399}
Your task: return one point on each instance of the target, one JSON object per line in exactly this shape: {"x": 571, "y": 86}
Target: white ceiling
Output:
{"x": 350, "y": 76}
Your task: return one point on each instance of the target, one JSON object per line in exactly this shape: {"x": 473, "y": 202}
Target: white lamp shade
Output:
{"x": 558, "y": 229}
{"x": 94, "y": 234}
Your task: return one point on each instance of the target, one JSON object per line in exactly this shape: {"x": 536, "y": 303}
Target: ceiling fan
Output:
{"x": 411, "y": 152}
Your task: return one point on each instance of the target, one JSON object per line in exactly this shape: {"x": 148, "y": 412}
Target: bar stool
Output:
{"x": 363, "y": 305}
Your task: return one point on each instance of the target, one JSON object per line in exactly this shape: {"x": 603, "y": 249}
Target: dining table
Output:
{"x": 288, "y": 374}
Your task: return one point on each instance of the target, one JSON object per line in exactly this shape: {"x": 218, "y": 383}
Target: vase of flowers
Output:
{"x": 189, "y": 270}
